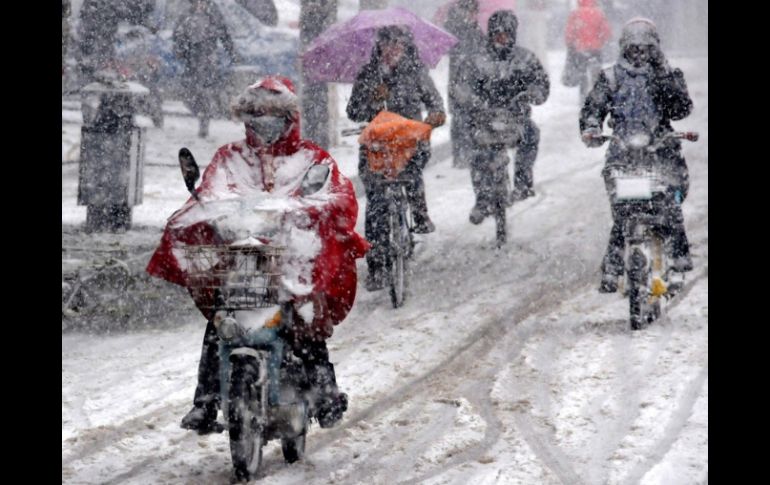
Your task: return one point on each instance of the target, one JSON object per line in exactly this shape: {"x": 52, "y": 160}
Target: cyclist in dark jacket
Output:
{"x": 641, "y": 92}
{"x": 396, "y": 80}
{"x": 508, "y": 78}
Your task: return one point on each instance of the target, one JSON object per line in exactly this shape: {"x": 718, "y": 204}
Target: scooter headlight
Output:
{"x": 227, "y": 327}
{"x": 638, "y": 140}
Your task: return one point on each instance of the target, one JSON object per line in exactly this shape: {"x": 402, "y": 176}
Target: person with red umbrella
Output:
{"x": 396, "y": 80}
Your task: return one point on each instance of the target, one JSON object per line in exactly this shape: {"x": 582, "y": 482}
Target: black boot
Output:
{"x": 203, "y": 416}
{"x": 609, "y": 283}
{"x": 331, "y": 403}
{"x": 331, "y": 408}
{"x": 422, "y": 223}
{"x": 375, "y": 279}
{"x": 203, "y": 419}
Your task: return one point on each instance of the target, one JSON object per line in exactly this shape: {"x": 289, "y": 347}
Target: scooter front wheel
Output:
{"x": 246, "y": 434}
{"x": 637, "y": 291}
{"x": 400, "y": 244}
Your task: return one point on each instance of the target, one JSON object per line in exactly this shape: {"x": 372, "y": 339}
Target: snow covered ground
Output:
{"x": 503, "y": 367}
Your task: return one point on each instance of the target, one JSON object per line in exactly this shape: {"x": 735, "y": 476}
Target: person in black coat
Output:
{"x": 396, "y": 80}
{"x": 640, "y": 93}
{"x": 98, "y": 32}
{"x": 462, "y": 23}
{"x": 196, "y": 38}
{"x": 507, "y": 79}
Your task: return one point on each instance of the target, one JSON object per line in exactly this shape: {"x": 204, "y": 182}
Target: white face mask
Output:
{"x": 267, "y": 128}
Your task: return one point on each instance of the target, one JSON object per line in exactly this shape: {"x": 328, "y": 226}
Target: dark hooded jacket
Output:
{"x": 504, "y": 73}
{"x": 197, "y": 34}
{"x": 410, "y": 87}
{"x": 471, "y": 43}
{"x": 98, "y": 29}
{"x": 646, "y": 98}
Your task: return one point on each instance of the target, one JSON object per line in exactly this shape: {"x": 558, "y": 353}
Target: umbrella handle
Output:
{"x": 382, "y": 81}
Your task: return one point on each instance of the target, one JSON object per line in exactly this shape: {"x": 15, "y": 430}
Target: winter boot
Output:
{"x": 331, "y": 403}
{"x": 423, "y": 225}
{"x": 518, "y": 194}
{"x": 331, "y": 408}
{"x": 477, "y": 215}
{"x": 375, "y": 280}
{"x": 682, "y": 264}
{"x": 609, "y": 283}
{"x": 202, "y": 419}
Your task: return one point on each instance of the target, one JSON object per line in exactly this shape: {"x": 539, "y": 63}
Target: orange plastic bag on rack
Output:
{"x": 391, "y": 141}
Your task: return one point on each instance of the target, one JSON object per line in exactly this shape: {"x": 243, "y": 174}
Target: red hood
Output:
{"x": 272, "y": 93}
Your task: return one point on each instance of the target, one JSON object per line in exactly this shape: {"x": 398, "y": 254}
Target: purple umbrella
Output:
{"x": 345, "y": 47}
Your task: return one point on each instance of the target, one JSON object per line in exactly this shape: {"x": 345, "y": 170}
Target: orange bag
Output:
{"x": 391, "y": 141}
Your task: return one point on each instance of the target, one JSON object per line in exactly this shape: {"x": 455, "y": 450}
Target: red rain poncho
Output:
{"x": 318, "y": 229}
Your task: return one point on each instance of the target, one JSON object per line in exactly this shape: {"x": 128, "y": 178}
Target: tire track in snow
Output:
{"x": 673, "y": 429}
{"x": 443, "y": 377}
{"x": 511, "y": 341}
{"x": 541, "y": 438}
{"x": 409, "y": 450}
{"x": 93, "y": 440}
{"x": 630, "y": 380}
{"x": 479, "y": 394}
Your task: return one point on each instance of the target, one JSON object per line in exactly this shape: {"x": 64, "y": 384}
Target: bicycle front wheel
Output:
{"x": 399, "y": 236}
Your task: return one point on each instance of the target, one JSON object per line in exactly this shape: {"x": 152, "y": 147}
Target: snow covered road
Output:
{"x": 503, "y": 367}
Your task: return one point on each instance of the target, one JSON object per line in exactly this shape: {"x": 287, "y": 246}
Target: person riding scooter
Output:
{"x": 273, "y": 159}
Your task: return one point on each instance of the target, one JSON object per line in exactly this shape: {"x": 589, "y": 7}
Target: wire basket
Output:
{"x": 241, "y": 277}
{"x": 635, "y": 183}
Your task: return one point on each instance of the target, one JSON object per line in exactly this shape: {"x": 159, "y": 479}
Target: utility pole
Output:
{"x": 319, "y": 117}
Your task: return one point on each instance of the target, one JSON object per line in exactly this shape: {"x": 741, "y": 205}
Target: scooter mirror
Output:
{"x": 190, "y": 171}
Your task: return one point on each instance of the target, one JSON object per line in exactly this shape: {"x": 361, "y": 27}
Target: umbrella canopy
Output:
{"x": 339, "y": 53}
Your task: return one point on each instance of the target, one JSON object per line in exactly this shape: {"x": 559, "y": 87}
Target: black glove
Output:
{"x": 659, "y": 63}
{"x": 591, "y": 137}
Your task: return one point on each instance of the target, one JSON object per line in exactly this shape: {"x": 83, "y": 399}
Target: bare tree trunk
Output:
{"x": 315, "y": 16}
